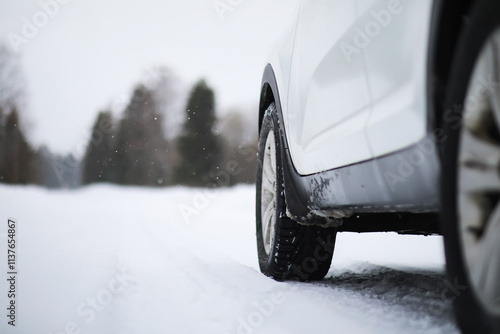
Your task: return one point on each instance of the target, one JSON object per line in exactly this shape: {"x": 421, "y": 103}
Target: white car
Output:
{"x": 384, "y": 115}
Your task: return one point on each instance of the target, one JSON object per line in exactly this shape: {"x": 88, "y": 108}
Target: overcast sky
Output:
{"x": 91, "y": 53}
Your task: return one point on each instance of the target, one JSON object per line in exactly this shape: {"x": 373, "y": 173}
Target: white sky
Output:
{"x": 92, "y": 52}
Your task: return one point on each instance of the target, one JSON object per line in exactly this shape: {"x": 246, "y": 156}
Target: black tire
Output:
{"x": 472, "y": 313}
{"x": 295, "y": 251}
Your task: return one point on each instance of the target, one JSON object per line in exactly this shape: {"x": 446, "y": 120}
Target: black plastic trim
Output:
{"x": 447, "y": 21}
{"x": 402, "y": 223}
{"x": 434, "y": 91}
{"x": 294, "y": 196}
{"x": 406, "y": 181}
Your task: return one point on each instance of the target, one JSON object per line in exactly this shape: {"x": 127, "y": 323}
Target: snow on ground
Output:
{"x": 108, "y": 259}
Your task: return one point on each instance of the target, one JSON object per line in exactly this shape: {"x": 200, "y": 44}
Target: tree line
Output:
{"x": 134, "y": 147}
{"x": 135, "y": 151}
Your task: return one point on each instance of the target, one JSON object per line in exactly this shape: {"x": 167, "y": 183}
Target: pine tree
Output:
{"x": 11, "y": 79}
{"x": 198, "y": 145}
{"x": 140, "y": 151}
{"x": 19, "y": 161}
{"x": 97, "y": 162}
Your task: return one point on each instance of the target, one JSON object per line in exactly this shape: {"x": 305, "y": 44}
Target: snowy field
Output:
{"x": 108, "y": 259}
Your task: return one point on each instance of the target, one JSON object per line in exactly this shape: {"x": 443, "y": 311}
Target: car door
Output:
{"x": 395, "y": 35}
{"x": 328, "y": 100}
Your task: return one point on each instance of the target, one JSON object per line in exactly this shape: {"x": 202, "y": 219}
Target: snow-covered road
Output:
{"x": 107, "y": 259}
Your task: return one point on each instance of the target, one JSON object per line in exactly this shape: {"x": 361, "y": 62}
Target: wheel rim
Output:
{"x": 268, "y": 193}
{"x": 479, "y": 177}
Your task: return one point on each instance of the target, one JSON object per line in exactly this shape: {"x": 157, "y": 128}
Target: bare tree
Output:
{"x": 11, "y": 80}
{"x": 240, "y": 147}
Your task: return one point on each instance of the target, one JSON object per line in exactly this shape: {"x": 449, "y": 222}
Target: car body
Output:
{"x": 327, "y": 129}
{"x": 365, "y": 105}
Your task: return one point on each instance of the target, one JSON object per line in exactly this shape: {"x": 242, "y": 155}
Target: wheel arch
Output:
{"x": 295, "y": 195}
{"x": 268, "y": 93}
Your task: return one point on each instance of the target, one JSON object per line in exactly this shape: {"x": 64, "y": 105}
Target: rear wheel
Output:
{"x": 471, "y": 174}
{"x": 286, "y": 249}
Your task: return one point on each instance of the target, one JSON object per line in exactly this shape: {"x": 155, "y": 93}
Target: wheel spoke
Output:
{"x": 486, "y": 262}
{"x": 479, "y": 164}
{"x": 479, "y": 152}
{"x": 473, "y": 214}
{"x": 267, "y": 185}
{"x": 268, "y": 220}
{"x": 478, "y": 180}
{"x": 495, "y": 77}
{"x": 273, "y": 159}
{"x": 269, "y": 178}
